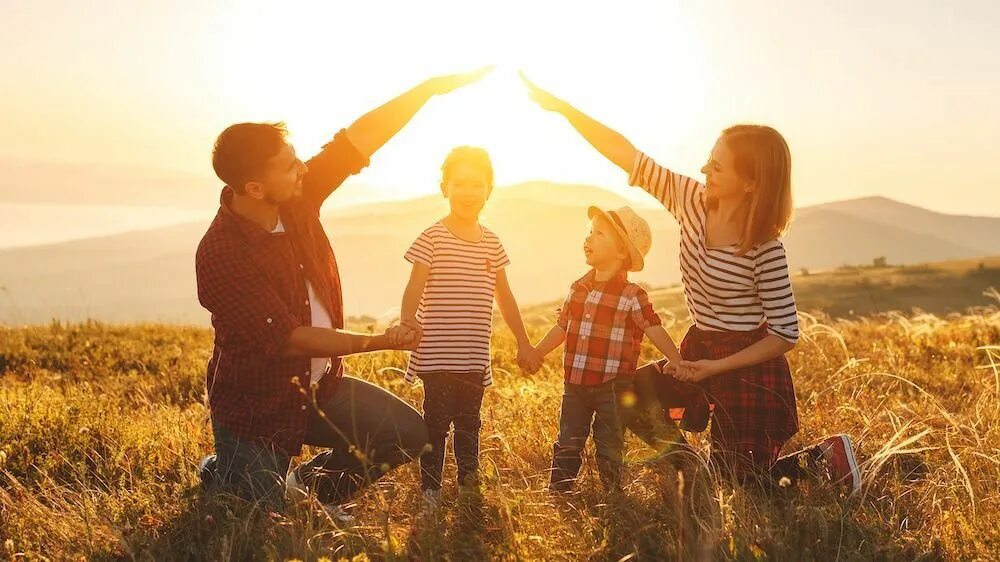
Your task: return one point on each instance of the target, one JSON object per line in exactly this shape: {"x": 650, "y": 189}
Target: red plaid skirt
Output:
{"x": 753, "y": 407}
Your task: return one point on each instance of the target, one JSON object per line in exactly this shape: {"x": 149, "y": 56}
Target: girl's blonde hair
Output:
{"x": 473, "y": 155}
{"x": 762, "y": 157}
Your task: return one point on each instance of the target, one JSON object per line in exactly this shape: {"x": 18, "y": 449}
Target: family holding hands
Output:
{"x": 267, "y": 273}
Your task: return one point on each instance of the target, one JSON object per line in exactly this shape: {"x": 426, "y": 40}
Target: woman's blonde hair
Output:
{"x": 762, "y": 157}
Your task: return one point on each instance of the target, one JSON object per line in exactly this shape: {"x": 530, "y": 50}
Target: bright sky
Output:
{"x": 895, "y": 98}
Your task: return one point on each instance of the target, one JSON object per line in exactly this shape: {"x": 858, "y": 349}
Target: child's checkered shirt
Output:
{"x": 604, "y": 325}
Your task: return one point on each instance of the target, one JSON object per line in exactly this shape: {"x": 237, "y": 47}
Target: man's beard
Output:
{"x": 271, "y": 200}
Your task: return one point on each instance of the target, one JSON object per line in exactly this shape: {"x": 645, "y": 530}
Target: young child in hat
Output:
{"x": 602, "y": 322}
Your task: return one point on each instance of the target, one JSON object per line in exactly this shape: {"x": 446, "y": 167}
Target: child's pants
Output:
{"x": 451, "y": 399}
{"x": 583, "y": 407}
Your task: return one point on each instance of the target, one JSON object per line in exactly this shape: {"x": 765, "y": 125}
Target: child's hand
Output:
{"x": 405, "y": 336}
{"x": 696, "y": 371}
{"x": 668, "y": 368}
{"x": 528, "y": 359}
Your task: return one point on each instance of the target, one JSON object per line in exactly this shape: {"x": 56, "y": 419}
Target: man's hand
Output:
{"x": 528, "y": 359}
{"x": 697, "y": 371}
{"x": 405, "y": 336}
{"x": 544, "y": 99}
{"x": 445, "y": 84}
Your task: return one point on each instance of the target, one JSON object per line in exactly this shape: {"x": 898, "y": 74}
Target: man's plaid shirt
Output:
{"x": 604, "y": 325}
{"x": 254, "y": 284}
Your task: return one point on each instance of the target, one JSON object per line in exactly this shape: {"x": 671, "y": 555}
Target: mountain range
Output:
{"x": 148, "y": 275}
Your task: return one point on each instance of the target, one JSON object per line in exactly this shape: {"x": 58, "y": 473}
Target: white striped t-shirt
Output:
{"x": 724, "y": 292}
{"x": 456, "y": 309}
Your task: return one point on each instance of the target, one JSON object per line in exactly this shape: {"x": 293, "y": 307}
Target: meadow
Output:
{"x": 102, "y": 427}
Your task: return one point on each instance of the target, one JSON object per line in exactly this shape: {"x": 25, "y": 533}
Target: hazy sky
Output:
{"x": 900, "y": 99}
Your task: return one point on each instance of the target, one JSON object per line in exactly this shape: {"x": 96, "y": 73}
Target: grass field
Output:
{"x": 102, "y": 426}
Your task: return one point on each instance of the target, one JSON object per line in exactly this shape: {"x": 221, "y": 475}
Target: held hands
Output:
{"x": 692, "y": 371}
{"x": 528, "y": 359}
{"x": 445, "y": 84}
{"x": 405, "y": 335}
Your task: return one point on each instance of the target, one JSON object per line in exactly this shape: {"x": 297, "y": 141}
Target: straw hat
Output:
{"x": 632, "y": 228}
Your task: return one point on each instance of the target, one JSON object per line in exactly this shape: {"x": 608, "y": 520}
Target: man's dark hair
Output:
{"x": 241, "y": 152}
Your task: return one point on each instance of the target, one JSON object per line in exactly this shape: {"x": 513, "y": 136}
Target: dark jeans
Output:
{"x": 584, "y": 407}
{"x": 369, "y": 431}
{"x": 451, "y": 399}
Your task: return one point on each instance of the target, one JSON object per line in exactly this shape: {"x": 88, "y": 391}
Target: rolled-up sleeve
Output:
{"x": 562, "y": 317}
{"x": 338, "y": 160}
{"x": 239, "y": 297}
{"x": 642, "y": 313}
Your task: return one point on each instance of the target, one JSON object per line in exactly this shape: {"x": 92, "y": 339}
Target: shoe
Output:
{"x": 839, "y": 453}
{"x": 206, "y": 470}
{"x": 431, "y": 503}
{"x": 296, "y": 490}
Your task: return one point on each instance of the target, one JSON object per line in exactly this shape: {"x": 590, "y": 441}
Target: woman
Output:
{"x": 738, "y": 293}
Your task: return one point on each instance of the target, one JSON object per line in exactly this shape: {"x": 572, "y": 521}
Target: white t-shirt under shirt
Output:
{"x": 320, "y": 318}
{"x": 456, "y": 309}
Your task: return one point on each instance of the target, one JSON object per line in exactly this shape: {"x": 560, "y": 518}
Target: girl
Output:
{"x": 458, "y": 265}
{"x": 738, "y": 292}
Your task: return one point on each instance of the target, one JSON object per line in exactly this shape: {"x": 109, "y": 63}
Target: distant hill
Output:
{"x": 939, "y": 288}
{"x": 149, "y": 275}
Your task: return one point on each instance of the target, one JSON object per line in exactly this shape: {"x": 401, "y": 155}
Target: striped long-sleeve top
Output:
{"x": 724, "y": 291}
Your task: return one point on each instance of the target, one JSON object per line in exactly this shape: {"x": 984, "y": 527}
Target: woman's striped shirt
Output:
{"x": 456, "y": 309}
{"x": 724, "y": 291}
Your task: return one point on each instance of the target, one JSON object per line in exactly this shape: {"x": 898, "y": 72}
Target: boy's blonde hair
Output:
{"x": 762, "y": 157}
{"x": 473, "y": 155}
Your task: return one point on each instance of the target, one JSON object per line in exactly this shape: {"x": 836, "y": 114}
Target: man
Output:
{"x": 267, "y": 273}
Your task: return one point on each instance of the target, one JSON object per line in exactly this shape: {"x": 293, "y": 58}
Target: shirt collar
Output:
{"x": 587, "y": 282}
{"x": 247, "y": 227}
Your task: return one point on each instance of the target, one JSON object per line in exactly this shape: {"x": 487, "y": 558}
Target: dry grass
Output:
{"x": 101, "y": 428}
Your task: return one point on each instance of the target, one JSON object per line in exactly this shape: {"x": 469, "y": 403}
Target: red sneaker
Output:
{"x": 839, "y": 453}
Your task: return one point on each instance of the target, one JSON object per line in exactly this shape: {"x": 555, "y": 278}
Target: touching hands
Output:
{"x": 528, "y": 359}
{"x": 691, "y": 371}
{"x": 445, "y": 84}
{"x": 405, "y": 335}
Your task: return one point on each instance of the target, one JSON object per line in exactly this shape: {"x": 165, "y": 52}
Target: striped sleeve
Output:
{"x": 679, "y": 194}
{"x": 422, "y": 249}
{"x": 774, "y": 287}
{"x": 500, "y": 259}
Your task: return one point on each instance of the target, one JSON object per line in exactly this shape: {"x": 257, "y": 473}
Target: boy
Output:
{"x": 602, "y": 321}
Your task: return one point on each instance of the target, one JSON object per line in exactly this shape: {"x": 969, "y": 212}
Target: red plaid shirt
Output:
{"x": 604, "y": 325}
{"x": 253, "y": 283}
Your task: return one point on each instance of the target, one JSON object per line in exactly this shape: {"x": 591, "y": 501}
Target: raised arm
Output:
{"x": 612, "y": 144}
{"x": 351, "y": 149}
{"x": 376, "y": 127}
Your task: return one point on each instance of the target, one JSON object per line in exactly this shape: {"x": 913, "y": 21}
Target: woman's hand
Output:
{"x": 697, "y": 371}
{"x": 544, "y": 99}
